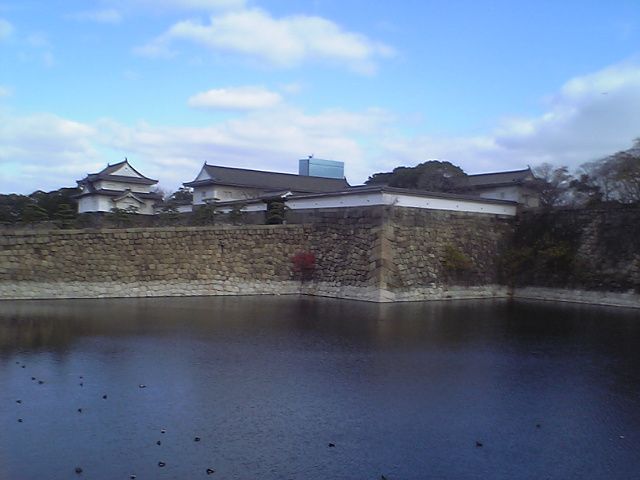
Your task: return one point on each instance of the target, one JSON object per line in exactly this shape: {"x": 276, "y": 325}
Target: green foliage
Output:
{"x": 455, "y": 261}
{"x": 32, "y": 212}
{"x": 543, "y": 251}
{"x": 184, "y": 194}
{"x": 276, "y": 213}
{"x": 13, "y": 206}
{"x": 434, "y": 176}
{"x": 168, "y": 214}
{"x": 51, "y": 201}
{"x": 205, "y": 214}
{"x": 237, "y": 214}
{"x": 122, "y": 217}
{"x": 65, "y": 215}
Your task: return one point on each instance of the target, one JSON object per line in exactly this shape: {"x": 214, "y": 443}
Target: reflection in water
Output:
{"x": 402, "y": 390}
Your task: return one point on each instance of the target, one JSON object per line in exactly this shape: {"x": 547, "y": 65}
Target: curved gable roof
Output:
{"x": 109, "y": 173}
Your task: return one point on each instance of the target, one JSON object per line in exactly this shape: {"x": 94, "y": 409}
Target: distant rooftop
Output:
{"x": 495, "y": 179}
{"x": 265, "y": 180}
{"x": 107, "y": 173}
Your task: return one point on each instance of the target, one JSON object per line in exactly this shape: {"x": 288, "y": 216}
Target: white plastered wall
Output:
{"x": 122, "y": 186}
{"x": 222, "y": 193}
{"x": 401, "y": 200}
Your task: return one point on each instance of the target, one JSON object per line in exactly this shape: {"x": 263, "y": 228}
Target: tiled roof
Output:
{"x": 404, "y": 191}
{"x": 119, "y": 193}
{"x": 106, "y": 174}
{"x": 368, "y": 189}
{"x": 268, "y": 180}
{"x": 514, "y": 177}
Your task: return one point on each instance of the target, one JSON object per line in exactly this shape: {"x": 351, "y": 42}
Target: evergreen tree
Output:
{"x": 33, "y": 212}
{"x": 432, "y": 176}
{"x": 65, "y": 215}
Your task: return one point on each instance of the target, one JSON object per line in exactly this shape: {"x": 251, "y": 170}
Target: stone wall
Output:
{"x": 379, "y": 253}
{"x": 150, "y": 262}
{"x": 346, "y": 244}
{"x": 376, "y": 253}
{"x": 595, "y": 249}
{"x": 441, "y": 254}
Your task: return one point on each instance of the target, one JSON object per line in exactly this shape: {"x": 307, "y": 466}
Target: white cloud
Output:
{"x": 269, "y": 140}
{"x": 46, "y": 151}
{"x": 43, "y": 151}
{"x": 6, "y": 29}
{"x": 110, "y": 15}
{"x": 282, "y": 42}
{"x": 5, "y": 91}
{"x": 581, "y": 123}
{"x": 235, "y": 98}
{"x": 193, "y": 4}
{"x": 590, "y": 117}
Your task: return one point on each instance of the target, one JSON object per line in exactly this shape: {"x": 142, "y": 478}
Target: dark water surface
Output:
{"x": 405, "y": 391}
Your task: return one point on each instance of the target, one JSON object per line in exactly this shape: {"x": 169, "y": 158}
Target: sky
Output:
{"x": 171, "y": 84}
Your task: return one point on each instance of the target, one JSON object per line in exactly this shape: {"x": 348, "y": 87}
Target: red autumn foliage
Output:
{"x": 304, "y": 263}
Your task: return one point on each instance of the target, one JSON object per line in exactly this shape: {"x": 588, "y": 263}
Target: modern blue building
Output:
{"x": 316, "y": 167}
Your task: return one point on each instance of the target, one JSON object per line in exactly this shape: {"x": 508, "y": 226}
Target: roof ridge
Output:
{"x": 268, "y": 171}
{"x": 499, "y": 173}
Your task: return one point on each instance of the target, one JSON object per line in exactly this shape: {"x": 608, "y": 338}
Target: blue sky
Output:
{"x": 487, "y": 85}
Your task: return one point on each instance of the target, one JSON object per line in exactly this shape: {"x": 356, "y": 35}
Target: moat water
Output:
{"x": 440, "y": 390}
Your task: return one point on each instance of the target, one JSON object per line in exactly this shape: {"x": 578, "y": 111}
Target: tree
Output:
{"x": 276, "y": 212}
{"x": 205, "y": 214}
{"x": 65, "y": 215}
{"x": 184, "y": 194}
{"x": 32, "y": 212}
{"x": 615, "y": 178}
{"x": 123, "y": 217}
{"x": 168, "y": 213}
{"x": 12, "y": 206}
{"x": 159, "y": 191}
{"x": 433, "y": 175}
{"x": 553, "y": 185}
{"x": 237, "y": 213}
{"x": 51, "y": 201}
